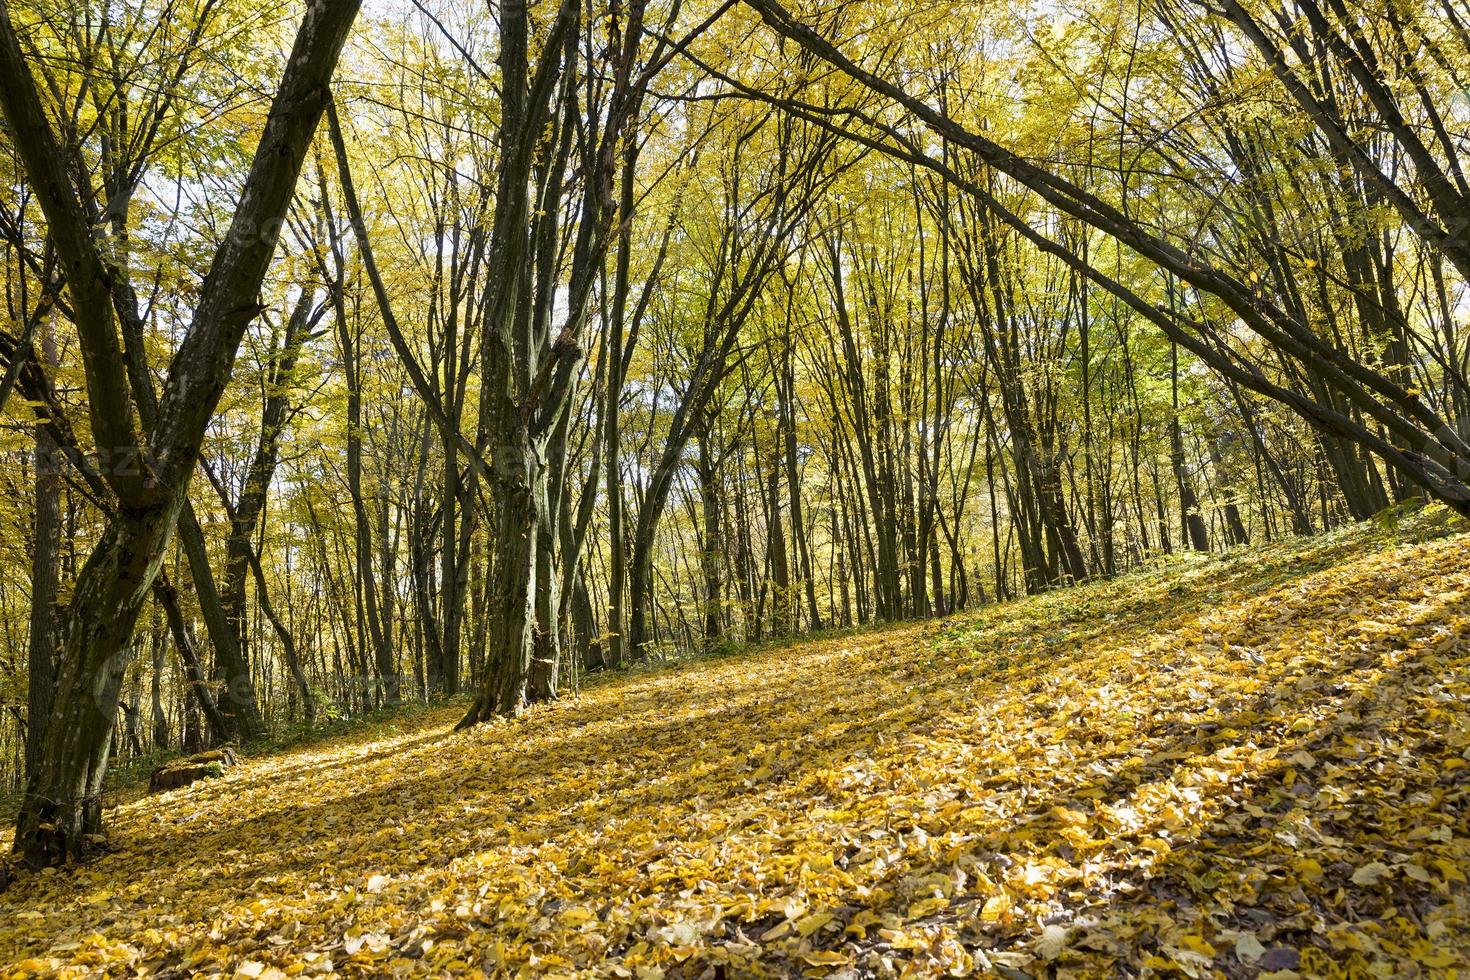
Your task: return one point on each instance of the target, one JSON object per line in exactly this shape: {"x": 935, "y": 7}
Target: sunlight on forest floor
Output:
{"x": 1255, "y": 763}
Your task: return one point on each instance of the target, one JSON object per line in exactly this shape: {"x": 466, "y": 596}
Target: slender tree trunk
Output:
{"x": 248, "y": 511}
{"x": 159, "y": 646}
{"x": 712, "y": 556}
{"x": 786, "y": 389}
{"x": 1191, "y": 519}
{"x": 41, "y": 666}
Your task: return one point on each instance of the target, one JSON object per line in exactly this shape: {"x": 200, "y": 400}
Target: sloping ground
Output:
{"x": 1226, "y": 766}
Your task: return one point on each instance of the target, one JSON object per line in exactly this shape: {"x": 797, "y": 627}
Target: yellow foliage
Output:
{"x": 1228, "y": 765}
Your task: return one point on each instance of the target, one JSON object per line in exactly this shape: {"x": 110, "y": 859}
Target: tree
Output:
{"x": 62, "y": 807}
{"x": 1426, "y": 449}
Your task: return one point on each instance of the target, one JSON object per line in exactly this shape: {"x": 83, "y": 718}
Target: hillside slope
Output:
{"x": 1255, "y": 763}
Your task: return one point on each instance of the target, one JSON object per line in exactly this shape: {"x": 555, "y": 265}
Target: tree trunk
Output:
{"x": 41, "y": 648}
{"x": 712, "y": 557}
{"x": 61, "y": 812}
{"x": 511, "y": 643}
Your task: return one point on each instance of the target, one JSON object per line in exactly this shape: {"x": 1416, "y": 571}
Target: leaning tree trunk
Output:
{"x": 202, "y": 700}
{"x": 61, "y": 812}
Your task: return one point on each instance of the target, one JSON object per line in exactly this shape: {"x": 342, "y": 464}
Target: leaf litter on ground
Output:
{"x": 1255, "y": 764}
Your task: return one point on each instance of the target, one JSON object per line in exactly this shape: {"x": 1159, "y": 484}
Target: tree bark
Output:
{"x": 45, "y": 557}
{"x": 61, "y": 813}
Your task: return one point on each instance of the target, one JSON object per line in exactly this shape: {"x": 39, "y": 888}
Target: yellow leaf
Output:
{"x": 926, "y": 906}
{"x": 1308, "y": 868}
{"x": 811, "y": 923}
{"x": 1449, "y": 870}
{"x": 1197, "y": 944}
{"x": 995, "y": 908}
{"x": 1371, "y": 874}
{"x": 1415, "y": 872}
{"x": 860, "y": 922}
{"x": 1437, "y": 958}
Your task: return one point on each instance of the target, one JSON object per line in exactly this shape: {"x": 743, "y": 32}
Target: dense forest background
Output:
{"x": 565, "y": 336}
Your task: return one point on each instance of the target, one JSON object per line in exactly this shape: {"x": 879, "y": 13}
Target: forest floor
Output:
{"x": 1256, "y": 763}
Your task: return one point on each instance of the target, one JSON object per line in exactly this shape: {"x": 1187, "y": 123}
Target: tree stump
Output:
{"x": 182, "y": 772}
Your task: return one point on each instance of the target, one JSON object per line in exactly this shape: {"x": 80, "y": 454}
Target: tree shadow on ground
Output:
{"x": 645, "y": 763}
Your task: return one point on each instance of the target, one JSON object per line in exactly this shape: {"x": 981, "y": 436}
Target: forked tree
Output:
{"x": 147, "y": 469}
